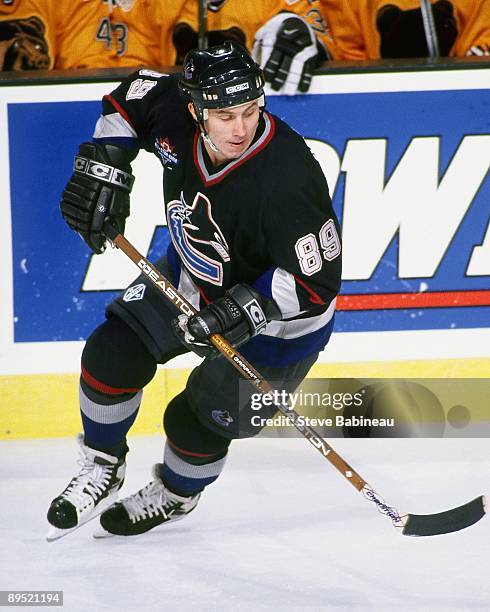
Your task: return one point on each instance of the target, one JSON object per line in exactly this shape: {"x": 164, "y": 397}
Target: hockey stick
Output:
{"x": 202, "y": 33}
{"x": 409, "y": 524}
{"x": 430, "y": 29}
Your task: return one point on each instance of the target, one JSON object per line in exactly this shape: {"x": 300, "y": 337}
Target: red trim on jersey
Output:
{"x": 232, "y": 164}
{"x": 119, "y": 109}
{"x": 314, "y": 297}
{"x": 433, "y": 299}
{"x": 202, "y": 294}
{"x": 185, "y": 452}
{"x": 98, "y": 386}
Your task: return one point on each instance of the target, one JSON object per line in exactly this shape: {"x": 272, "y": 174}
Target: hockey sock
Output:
{"x": 107, "y": 416}
{"x": 116, "y": 366}
{"x": 185, "y": 476}
{"x": 194, "y": 455}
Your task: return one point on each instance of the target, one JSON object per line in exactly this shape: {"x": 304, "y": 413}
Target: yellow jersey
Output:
{"x": 240, "y": 19}
{"x": 370, "y": 29}
{"x": 116, "y": 33}
{"x": 87, "y": 33}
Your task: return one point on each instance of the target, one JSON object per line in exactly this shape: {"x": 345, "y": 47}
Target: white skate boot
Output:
{"x": 152, "y": 505}
{"x": 88, "y": 494}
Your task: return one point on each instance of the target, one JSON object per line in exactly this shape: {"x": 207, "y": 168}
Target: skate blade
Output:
{"x": 101, "y": 533}
{"x": 55, "y": 533}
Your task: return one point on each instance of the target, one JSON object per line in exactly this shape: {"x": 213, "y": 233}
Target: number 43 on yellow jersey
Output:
{"x": 113, "y": 34}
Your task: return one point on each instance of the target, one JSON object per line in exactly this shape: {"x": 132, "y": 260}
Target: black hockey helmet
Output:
{"x": 221, "y": 76}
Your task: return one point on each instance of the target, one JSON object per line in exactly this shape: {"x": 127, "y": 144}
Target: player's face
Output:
{"x": 232, "y": 130}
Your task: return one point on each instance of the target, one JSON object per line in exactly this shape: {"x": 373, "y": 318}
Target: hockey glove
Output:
{"x": 239, "y": 315}
{"x": 479, "y": 50}
{"x": 288, "y": 51}
{"x": 98, "y": 189}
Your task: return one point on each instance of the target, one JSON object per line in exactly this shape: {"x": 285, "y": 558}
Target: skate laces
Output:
{"x": 151, "y": 500}
{"x": 91, "y": 482}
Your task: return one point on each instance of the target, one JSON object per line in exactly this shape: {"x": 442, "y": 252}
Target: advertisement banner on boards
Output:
{"x": 407, "y": 169}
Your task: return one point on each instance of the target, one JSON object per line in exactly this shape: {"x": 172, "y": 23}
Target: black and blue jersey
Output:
{"x": 265, "y": 219}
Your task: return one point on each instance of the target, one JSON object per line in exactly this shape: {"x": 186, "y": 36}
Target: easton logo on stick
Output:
{"x": 165, "y": 287}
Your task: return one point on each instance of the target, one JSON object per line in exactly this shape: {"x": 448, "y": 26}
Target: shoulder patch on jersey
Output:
{"x": 23, "y": 43}
{"x": 139, "y": 88}
{"x": 166, "y": 150}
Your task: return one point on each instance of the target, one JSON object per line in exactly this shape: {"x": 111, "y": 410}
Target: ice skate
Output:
{"x": 151, "y": 506}
{"x": 88, "y": 494}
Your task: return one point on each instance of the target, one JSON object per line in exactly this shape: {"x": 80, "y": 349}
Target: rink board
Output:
{"x": 406, "y": 156}
{"x": 44, "y": 405}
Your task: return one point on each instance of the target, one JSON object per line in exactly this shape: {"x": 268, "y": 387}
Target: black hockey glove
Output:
{"x": 98, "y": 189}
{"x": 239, "y": 315}
{"x": 288, "y": 51}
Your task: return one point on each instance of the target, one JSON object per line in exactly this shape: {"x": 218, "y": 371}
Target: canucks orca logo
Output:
{"x": 197, "y": 237}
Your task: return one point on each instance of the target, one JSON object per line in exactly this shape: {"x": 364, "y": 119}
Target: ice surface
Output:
{"x": 280, "y": 530}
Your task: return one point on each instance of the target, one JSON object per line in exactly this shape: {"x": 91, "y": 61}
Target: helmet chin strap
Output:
{"x": 204, "y": 133}
{"x": 207, "y": 139}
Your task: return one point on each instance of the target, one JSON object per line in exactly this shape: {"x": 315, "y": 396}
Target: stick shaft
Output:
{"x": 202, "y": 34}
{"x": 430, "y": 29}
{"x": 239, "y": 362}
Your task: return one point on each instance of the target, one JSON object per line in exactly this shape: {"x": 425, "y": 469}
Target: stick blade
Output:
{"x": 446, "y": 522}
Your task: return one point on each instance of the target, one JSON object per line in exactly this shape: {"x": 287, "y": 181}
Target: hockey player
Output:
{"x": 372, "y": 29}
{"x": 254, "y": 245}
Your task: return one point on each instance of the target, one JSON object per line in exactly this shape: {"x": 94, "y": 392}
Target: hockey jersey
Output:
{"x": 240, "y": 19}
{"x": 370, "y": 29}
{"x": 114, "y": 33}
{"x": 265, "y": 219}
{"x": 87, "y": 33}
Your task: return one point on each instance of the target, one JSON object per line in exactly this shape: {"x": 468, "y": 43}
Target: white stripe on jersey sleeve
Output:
{"x": 284, "y": 293}
{"x": 300, "y": 327}
{"x": 113, "y": 126}
{"x": 188, "y": 289}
